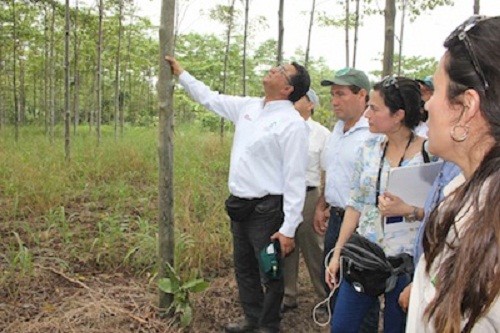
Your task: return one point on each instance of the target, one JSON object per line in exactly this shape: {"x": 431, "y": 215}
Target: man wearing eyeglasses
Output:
{"x": 266, "y": 181}
{"x": 349, "y": 90}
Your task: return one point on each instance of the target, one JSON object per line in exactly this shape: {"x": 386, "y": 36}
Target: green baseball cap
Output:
{"x": 349, "y": 77}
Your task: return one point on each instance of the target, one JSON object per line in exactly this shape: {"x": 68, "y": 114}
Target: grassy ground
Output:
{"x": 78, "y": 249}
{"x": 100, "y": 209}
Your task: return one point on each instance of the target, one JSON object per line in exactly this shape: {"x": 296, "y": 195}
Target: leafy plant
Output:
{"x": 180, "y": 290}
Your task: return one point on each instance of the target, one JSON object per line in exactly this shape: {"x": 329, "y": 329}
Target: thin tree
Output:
{"x": 14, "y": 83}
{"x": 98, "y": 89}
{"x": 311, "y": 20}
{"x": 401, "y": 33}
{"x": 52, "y": 71}
{"x": 281, "y": 31}
{"x": 76, "y": 72}
{"x": 67, "y": 113}
{"x": 245, "y": 40}
{"x": 346, "y": 27}
{"x": 165, "y": 88}
{"x": 356, "y": 30}
{"x": 390, "y": 15}
{"x": 476, "y": 7}
{"x": 46, "y": 79}
{"x": 117, "y": 71}
{"x": 230, "y": 20}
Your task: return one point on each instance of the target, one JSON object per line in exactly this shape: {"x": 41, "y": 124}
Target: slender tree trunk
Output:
{"x": 22, "y": 87}
{"x": 401, "y": 33}
{"x": 46, "y": 79}
{"x": 14, "y": 83}
{"x": 52, "y": 89}
{"x": 347, "y": 23}
{"x": 117, "y": 69}
{"x": 390, "y": 14}
{"x": 98, "y": 75}
{"x": 281, "y": 32}
{"x": 226, "y": 60}
{"x": 165, "y": 86}
{"x": 67, "y": 118}
{"x": 128, "y": 71}
{"x": 245, "y": 41}
{"x": 311, "y": 20}
{"x": 476, "y": 7}
{"x": 356, "y": 30}
{"x": 76, "y": 73}
{"x": 2, "y": 90}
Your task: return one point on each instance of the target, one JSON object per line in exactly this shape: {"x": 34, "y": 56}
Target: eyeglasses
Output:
{"x": 461, "y": 33}
{"x": 282, "y": 70}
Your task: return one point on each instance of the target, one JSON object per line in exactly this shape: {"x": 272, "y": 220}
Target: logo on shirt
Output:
{"x": 247, "y": 117}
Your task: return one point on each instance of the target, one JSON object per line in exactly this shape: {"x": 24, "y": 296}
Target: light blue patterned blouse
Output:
{"x": 395, "y": 238}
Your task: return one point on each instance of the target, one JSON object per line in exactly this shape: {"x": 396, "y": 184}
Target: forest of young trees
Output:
{"x": 68, "y": 70}
{"x": 113, "y": 57}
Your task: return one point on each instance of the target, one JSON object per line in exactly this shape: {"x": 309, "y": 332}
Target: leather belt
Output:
{"x": 311, "y": 188}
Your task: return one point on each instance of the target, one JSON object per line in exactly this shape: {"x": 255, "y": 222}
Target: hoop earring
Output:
{"x": 462, "y": 129}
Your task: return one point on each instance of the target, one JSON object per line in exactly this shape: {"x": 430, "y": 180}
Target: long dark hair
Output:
{"x": 468, "y": 274}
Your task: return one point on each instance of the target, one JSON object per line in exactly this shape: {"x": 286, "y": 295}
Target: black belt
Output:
{"x": 311, "y": 188}
{"x": 337, "y": 211}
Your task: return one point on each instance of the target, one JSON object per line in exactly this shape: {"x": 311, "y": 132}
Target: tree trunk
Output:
{"x": 308, "y": 47}
{"x": 356, "y": 30}
{"x": 46, "y": 79}
{"x": 165, "y": 87}
{"x": 401, "y": 33}
{"x": 245, "y": 38}
{"x": 347, "y": 22}
{"x": 14, "y": 83}
{"x": 129, "y": 75}
{"x": 67, "y": 118}
{"x": 52, "y": 81}
{"x": 98, "y": 89}
{"x": 281, "y": 32}
{"x": 22, "y": 86}
{"x": 117, "y": 69}
{"x": 390, "y": 14}
{"x": 76, "y": 73}
{"x": 476, "y": 7}
{"x": 226, "y": 60}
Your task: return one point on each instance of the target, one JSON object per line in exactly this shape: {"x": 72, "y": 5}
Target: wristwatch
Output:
{"x": 413, "y": 215}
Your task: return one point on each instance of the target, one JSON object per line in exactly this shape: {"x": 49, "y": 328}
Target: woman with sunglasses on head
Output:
{"x": 394, "y": 111}
{"x": 457, "y": 281}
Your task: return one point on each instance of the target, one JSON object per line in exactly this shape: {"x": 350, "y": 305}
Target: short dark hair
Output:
{"x": 355, "y": 90}
{"x": 300, "y": 82}
{"x": 404, "y": 94}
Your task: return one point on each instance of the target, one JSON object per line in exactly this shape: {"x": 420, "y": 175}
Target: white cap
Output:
{"x": 313, "y": 97}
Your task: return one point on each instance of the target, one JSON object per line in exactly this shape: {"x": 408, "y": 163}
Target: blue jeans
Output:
{"x": 250, "y": 235}
{"x": 370, "y": 321}
{"x": 351, "y": 308}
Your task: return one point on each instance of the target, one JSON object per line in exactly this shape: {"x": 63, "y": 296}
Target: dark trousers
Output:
{"x": 370, "y": 321}
{"x": 260, "y": 296}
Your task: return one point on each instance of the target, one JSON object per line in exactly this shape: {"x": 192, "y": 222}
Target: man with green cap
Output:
{"x": 349, "y": 90}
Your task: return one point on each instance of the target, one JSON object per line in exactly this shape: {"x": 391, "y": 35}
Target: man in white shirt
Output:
{"x": 306, "y": 240}
{"x": 266, "y": 181}
{"x": 349, "y": 90}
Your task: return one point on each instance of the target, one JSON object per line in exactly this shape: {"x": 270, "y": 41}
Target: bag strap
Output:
{"x": 425, "y": 154}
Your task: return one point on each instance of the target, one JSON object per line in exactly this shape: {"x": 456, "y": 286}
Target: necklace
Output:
{"x": 381, "y": 164}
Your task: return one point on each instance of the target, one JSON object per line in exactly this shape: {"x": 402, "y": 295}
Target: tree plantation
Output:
{"x": 102, "y": 151}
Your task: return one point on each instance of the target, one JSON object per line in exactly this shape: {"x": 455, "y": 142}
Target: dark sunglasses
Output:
{"x": 461, "y": 33}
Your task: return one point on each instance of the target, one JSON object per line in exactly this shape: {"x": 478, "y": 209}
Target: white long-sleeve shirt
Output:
{"x": 317, "y": 138}
{"x": 270, "y": 148}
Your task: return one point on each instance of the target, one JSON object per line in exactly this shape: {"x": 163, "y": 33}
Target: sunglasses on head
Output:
{"x": 461, "y": 33}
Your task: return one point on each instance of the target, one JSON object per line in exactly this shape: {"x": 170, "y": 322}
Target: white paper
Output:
{"x": 413, "y": 183}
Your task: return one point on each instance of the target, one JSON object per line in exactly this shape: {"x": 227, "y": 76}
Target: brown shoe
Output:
{"x": 242, "y": 326}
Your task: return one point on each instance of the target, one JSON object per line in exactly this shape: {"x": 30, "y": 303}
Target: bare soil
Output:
{"x": 57, "y": 301}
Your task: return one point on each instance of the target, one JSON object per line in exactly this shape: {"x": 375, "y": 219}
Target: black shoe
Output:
{"x": 242, "y": 326}
{"x": 287, "y": 307}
